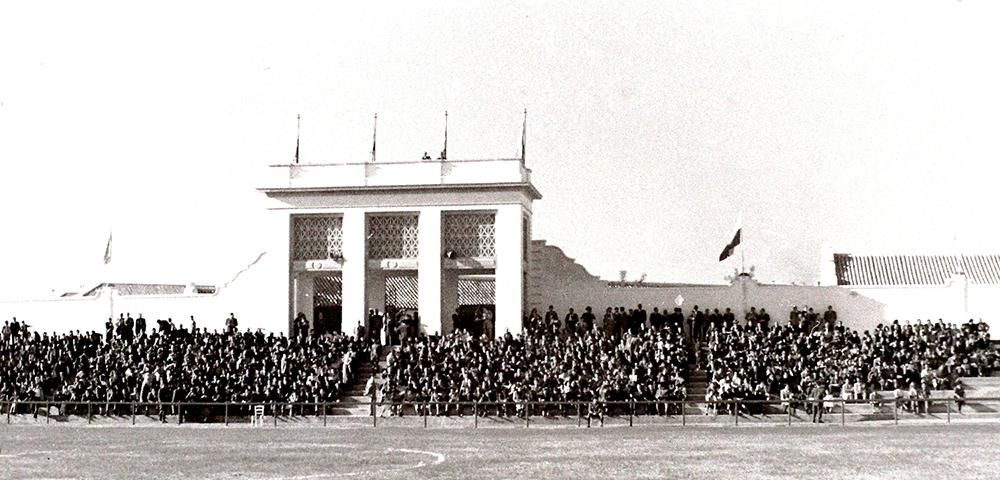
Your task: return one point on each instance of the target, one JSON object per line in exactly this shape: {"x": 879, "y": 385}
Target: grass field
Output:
{"x": 856, "y": 452}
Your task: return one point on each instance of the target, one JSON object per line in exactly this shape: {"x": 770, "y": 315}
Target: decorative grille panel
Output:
{"x": 328, "y": 291}
{"x": 402, "y": 291}
{"x": 316, "y": 237}
{"x": 470, "y": 234}
{"x": 392, "y": 236}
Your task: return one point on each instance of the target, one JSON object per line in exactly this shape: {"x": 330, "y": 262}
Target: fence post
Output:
{"x": 475, "y": 414}
{"x": 275, "y": 407}
{"x": 324, "y": 414}
{"x": 631, "y": 411}
{"x": 789, "y": 410}
{"x": 225, "y": 413}
{"x": 947, "y": 405}
{"x": 47, "y": 412}
{"x": 736, "y": 411}
{"x": 8, "y": 408}
{"x": 895, "y": 411}
{"x": 579, "y": 414}
{"x": 843, "y": 406}
{"x": 683, "y": 414}
{"x": 374, "y": 413}
{"x": 133, "y": 413}
{"x": 90, "y": 415}
{"x": 425, "y": 416}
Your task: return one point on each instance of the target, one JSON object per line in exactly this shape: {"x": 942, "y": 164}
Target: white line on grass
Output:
{"x": 438, "y": 459}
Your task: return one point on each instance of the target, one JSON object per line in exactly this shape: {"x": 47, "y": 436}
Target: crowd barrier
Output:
{"x": 584, "y": 412}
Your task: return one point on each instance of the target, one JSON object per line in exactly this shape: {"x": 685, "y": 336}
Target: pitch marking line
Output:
{"x": 438, "y": 459}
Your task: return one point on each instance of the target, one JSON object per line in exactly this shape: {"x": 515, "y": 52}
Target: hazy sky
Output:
{"x": 651, "y": 126}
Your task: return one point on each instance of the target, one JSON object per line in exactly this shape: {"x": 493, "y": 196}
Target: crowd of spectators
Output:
{"x": 550, "y": 361}
{"x": 628, "y": 355}
{"x": 794, "y": 361}
{"x": 171, "y": 363}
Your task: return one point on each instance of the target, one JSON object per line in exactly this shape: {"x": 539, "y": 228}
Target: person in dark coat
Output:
{"x": 818, "y": 392}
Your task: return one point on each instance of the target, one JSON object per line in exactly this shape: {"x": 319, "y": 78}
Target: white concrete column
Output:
{"x": 429, "y": 270}
{"x": 355, "y": 269}
{"x": 509, "y": 279}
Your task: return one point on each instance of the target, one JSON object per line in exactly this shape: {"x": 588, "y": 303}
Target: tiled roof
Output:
{"x": 915, "y": 269}
{"x": 147, "y": 289}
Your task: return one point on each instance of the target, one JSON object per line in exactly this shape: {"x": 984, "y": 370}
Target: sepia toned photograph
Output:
{"x": 499, "y": 239}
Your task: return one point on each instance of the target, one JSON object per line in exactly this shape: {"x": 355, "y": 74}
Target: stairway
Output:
{"x": 354, "y": 401}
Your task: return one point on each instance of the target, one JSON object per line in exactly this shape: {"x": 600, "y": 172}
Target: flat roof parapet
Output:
{"x": 398, "y": 174}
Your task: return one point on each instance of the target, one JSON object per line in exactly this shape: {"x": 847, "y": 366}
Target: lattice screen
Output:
{"x": 402, "y": 291}
{"x": 328, "y": 291}
{"x": 392, "y": 236}
{"x": 470, "y": 234}
{"x": 317, "y": 237}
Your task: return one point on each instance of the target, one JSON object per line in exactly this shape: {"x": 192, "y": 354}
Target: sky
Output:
{"x": 652, "y": 126}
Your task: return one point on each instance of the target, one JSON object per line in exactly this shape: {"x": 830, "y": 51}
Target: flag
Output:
{"x": 374, "y": 132}
{"x": 524, "y": 133}
{"x": 726, "y": 252}
{"x": 444, "y": 153}
{"x": 298, "y": 133}
{"x": 107, "y": 251}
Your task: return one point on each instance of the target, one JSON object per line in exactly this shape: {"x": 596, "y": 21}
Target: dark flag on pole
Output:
{"x": 107, "y": 251}
{"x": 524, "y": 134}
{"x": 728, "y": 251}
{"x": 444, "y": 153}
{"x": 374, "y": 132}
{"x": 298, "y": 133}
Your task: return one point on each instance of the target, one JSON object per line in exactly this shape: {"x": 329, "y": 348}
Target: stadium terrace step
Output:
{"x": 982, "y": 386}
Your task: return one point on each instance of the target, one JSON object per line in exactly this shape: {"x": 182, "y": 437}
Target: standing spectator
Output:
{"x": 140, "y": 326}
{"x": 830, "y": 317}
{"x": 232, "y": 323}
{"x": 817, "y": 396}
{"x": 764, "y": 319}
{"x": 751, "y": 318}
{"x": 571, "y": 321}
{"x": 588, "y": 319}
{"x": 698, "y": 325}
{"x": 639, "y": 318}
{"x": 959, "y": 395}
{"x": 795, "y": 317}
{"x": 552, "y": 320}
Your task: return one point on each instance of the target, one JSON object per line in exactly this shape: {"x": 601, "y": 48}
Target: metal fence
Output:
{"x": 587, "y": 413}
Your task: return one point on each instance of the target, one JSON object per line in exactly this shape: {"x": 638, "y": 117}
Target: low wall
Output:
{"x": 557, "y": 280}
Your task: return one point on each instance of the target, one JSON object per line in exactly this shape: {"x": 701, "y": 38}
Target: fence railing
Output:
{"x": 588, "y": 412}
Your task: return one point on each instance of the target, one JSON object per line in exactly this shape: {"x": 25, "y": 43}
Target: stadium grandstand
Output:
{"x": 560, "y": 363}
